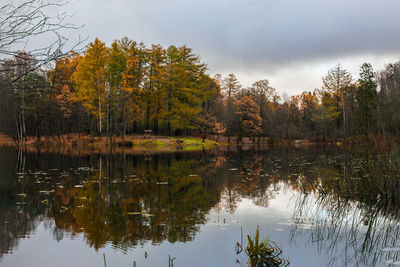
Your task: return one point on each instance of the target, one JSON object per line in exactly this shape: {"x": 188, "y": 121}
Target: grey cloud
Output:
{"x": 251, "y": 35}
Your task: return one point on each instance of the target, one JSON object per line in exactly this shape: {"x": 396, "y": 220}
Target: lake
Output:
{"x": 321, "y": 205}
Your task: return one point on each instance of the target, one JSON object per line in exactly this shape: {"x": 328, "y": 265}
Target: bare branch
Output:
{"x": 23, "y": 20}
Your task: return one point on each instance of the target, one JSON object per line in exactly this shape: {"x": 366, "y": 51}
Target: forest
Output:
{"x": 128, "y": 87}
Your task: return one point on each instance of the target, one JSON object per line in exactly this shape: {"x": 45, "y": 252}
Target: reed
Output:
{"x": 264, "y": 252}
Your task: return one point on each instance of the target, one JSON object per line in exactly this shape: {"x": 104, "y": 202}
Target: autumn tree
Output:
{"x": 230, "y": 87}
{"x": 249, "y": 117}
{"x": 155, "y": 87}
{"x": 132, "y": 90}
{"x": 335, "y": 83}
{"x": 116, "y": 67}
{"x": 183, "y": 83}
{"x": 63, "y": 111}
{"x": 211, "y": 107}
{"x": 264, "y": 95}
{"x": 91, "y": 80}
{"x": 218, "y": 80}
{"x": 128, "y": 87}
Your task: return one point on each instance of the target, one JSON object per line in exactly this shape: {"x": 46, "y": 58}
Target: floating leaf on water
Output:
{"x": 143, "y": 213}
{"x": 305, "y": 226}
{"x": 288, "y": 223}
{"x": 213, "y": 223}
{"x": 86, "y": 169}
{"x": 134, "y": 213}
{"x": 46, "y": 191}
{"x": 63, "y": 209}
{"x": 387, "y": 249}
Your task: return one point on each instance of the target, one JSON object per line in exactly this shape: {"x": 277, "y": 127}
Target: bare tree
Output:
{"x": 22, "y": 21}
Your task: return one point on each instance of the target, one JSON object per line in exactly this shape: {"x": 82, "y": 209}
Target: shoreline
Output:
{"x": 168, "y": 143}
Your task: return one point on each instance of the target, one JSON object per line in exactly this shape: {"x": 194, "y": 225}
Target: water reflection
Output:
{"x": 347, "y": 205}
{"x": 353, "y": 211}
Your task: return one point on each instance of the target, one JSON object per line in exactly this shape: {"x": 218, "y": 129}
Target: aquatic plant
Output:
{"x": 264, "y": 252}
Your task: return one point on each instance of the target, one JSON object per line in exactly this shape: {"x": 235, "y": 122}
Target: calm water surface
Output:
{"x": 322, "y": 206}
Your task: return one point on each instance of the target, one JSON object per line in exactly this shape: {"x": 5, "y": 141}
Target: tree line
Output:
{"x": 128, "y": 88}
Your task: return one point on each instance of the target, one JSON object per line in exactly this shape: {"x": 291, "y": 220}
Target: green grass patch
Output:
{"x": 186, "y": 144}
{"x": 194, "y": 141}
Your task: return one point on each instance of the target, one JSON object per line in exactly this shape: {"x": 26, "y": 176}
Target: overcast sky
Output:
{"x": 292, "y": 43}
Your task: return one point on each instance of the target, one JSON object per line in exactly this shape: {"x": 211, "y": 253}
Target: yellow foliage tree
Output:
{"x": 132, "y": 79}
{"x": 60, "y": 78}
{"x": 249, "y": 117}
{"x": 90, "y": 80}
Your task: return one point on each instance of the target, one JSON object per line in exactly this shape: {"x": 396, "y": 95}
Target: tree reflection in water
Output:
{"x": 347, "y": 204}
{"x": 352, "y": 209}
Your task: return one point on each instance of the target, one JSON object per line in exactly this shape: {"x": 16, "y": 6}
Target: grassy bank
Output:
{"x": 194, "y": 142}
{"x": 102, "y": 142}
